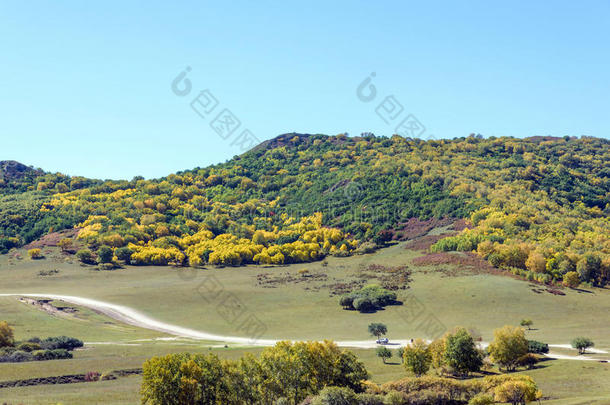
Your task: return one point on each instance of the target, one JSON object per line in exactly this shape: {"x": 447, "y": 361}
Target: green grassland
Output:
{"x": 296, "y": 307}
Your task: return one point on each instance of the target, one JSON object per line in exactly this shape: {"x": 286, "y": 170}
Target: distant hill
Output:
{"x": 537, "y": 206}
{"x": 11, "y": 170}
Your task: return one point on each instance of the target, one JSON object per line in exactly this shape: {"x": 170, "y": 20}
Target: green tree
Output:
{"x": 582, "y": 344}
{"x": 384, "y": 353}
{"x": 508, "y": 346}
{"x": 378, "y": 329}
{"x": 588, "y": 268}
{"x": 6, "y": 335}
{"x": 461, "y": 352}
{"x": 417, "y": 357}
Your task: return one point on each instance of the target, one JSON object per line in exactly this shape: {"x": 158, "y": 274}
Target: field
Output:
{"x": 292, "y": 302}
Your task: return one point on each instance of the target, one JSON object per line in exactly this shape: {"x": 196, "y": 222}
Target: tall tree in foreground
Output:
{"x": 508, "y": 346}
{"x": 285, "y": 373}
{"x": 461, "y": 352}
{"x": 417, "y": 357}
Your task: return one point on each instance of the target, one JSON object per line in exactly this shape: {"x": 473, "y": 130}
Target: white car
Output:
{"x": 383, "y": 341}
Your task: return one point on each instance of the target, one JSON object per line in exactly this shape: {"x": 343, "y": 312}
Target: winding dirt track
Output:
{"x": 133, "y": 317}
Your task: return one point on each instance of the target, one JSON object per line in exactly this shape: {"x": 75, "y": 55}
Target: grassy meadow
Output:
{"x": 293, "y": 302}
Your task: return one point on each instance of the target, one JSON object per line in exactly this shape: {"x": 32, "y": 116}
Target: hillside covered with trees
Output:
{"x": 538, "y": 206}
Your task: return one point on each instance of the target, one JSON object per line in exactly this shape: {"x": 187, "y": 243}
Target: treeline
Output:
{"x": 284, "y": 374}
{"x": 538, "y": 205}
{"x": 314, "y": 373}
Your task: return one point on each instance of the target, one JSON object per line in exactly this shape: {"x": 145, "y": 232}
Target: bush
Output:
{"x": 335, "y": 396}
{"x": 426, "y": 397}
{"x": 528, "y": 360}
{"x": 61, "y": 342}
{"x": 368, "y": 298}
{"x": 533, "y": 346}
{"x": 85, "y": 256}
{"x": 481, "y": 399}
{"x": 571, "y": 279}
{"x": 29, "y": 347}
{"x": 369, "y": 399}
{"x": 346, "y": 301}
{"x": 16, "y": 356}
{"x": 56, "y": 354}
{"x": 92, "y": 376}
{"x": 363, "y": 305}
{"x": 35, "y": 254}
{"x": 104, "y": 254}
{"x": 124, "y": 254}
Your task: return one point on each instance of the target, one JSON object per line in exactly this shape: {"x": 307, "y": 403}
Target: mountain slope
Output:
{"x": 537, "y": 205}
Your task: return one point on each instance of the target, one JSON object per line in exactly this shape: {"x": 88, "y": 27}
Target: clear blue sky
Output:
{"x": 86, "y": 88}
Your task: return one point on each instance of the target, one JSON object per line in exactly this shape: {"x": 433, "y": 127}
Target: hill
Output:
{"x": 538, "y": 206}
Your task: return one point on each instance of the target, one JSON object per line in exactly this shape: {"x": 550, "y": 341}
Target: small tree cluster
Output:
{"x": 368, "y": 298}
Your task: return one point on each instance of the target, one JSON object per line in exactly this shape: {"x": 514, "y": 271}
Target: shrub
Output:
{"x": 394, "y": 398}
{"x": 368, "y": 298}
{"x": 426, "y": 397}
{"x": 65, "y": 244}
{"x": 346, "y": 301}
{"x": 107, "y": 266}
{"x": 124, "y": 254}
{"x": 571, "y": 279}
{"x": 335, "y": 396}
{"x": 528, "y": 360}
{"x": 61, "y": 342}
{"x": 35, "y": 254}
{"x": 369, "y": 399}
{"x": 481, "y": 399}
{"x": 104, "y": 254}
{"x": 363, "y": 304}
{"x": 85, "y": 256}
{"x": 16, "y": 356}
{"x": 533, "y": 346}
{"x": 56, "y": 354}
{"x": 92, "y": 376}
{"x": 29, "y": 347}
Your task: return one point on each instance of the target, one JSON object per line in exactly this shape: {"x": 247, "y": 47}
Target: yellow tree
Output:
{"x": 6, "y": 334}
{"x": 417, "y": 357}
{"x": 508, "y": 346}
